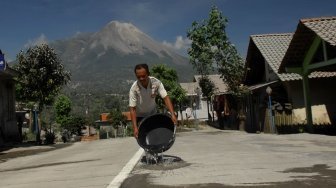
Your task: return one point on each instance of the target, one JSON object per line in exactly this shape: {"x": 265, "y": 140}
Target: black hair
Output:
{"x": 141, "y": 66}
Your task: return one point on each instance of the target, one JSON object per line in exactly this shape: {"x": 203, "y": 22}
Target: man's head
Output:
{"x": 142, "y": 72}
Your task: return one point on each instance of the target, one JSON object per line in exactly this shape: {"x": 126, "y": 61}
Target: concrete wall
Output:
{"x": 322, "y": 91}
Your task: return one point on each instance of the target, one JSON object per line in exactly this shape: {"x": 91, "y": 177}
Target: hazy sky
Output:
{"x": 27, "y": 22}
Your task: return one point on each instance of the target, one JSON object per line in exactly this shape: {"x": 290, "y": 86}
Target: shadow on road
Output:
{"x": 325, "y": 178}
{"x": 25, "y": 149}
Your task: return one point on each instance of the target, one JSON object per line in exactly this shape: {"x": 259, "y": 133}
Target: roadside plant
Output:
{"x": 116, "y": 118}
{"x": 211, "y": 51}
{"x": 41, "y": 75}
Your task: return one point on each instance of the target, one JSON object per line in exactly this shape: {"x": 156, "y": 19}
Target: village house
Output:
{"x": 104, "y": 124}
{"x": 9, "y": 131}
{"x": 312, "y": 52}
{"x": 282, "y": 104}
{"x": 221, "y": 109}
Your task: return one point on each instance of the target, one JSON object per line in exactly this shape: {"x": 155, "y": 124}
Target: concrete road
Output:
{"x": 91, "y": 164}
{"x": 206, "y": 158}
{"x": 215, "y": 158}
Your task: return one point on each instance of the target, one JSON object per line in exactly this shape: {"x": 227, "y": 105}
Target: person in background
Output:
{"x": 142, "y": 97}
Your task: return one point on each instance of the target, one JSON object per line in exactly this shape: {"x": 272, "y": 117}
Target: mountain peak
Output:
{"x": 124, "y": 37}
{"x": 123, "y": 29}
{"x": 121, "y": 26}
{"x": 106, "y": 58}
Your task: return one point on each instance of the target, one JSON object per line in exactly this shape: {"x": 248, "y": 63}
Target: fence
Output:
{"x": 295, "y": 120}
{"x": 111, "y": 132}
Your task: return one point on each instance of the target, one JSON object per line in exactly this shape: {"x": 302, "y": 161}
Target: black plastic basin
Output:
{"x": 156, "y": 133}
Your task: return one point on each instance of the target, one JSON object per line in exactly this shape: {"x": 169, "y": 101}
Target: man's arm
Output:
{"x": 134, "y": 121}
{"x": 170, "y": 107}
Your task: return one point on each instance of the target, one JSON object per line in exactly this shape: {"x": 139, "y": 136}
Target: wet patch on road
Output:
{"x": 325, "y": 177}
{"x": 168, "y": 162}
{"x": 141, "y": 180}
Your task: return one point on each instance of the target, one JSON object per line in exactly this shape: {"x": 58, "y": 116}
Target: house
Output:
{"x": 285, "y": 104}
{"x": 106, "y": 126}
{"x": 312, "y": 52}
{"x": 193, "y": 93}
{"x": 194, "y": 101}
{"x": 222, "y": 106}
{"x": 104, "y": 121}
{"x": 208, "y": 109}
{"x": 220, "y": 86}
{"x": 9, "y": 130}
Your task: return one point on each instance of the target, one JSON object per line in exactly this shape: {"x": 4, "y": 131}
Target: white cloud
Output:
{"x": 181, "y": 44}
{"x": 42, "y": 39}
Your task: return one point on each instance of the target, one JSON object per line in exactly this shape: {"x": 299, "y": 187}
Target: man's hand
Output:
{"x": 134, "y": 122}
{"x": 173, "y": 117}
{"x": 169, "y": 105}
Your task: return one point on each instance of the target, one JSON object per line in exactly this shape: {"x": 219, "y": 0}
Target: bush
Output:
{"x": 116, "y": 118}
{"x": 28, "y": 136}
{"x": 129, "y": 130}
{"x": 49, "y": 138}
{"x": 74, "y": 124}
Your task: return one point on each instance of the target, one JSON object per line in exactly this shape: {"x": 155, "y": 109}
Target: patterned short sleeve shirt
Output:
{"x": 144, "y": 98}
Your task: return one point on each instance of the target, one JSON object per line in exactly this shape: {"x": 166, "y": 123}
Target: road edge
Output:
{"x": 123, "y": 174}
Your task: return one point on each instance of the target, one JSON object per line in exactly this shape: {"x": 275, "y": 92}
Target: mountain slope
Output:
{"x": 104, "y": 61}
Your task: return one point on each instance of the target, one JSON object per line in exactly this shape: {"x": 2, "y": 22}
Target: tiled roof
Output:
{"x": 324, "y": 27}
{"x": 104, "y": 116}
{"x": 273, "y": 48}
{"x": 190, "y": 88}
{"x": 220, "y": 86}
{"x": 307, "y": 29}
{"x": 9, "y": 72}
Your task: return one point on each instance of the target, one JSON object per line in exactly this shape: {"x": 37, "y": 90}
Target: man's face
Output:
{"x": 142, "y": 76}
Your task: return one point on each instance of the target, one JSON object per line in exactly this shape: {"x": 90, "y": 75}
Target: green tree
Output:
{"x": 167, "y": 75}
{"x": 207, "y": 87}
{"x": 212, "y": 49}
{"x": 62, "y": 108}
{"x": 116, "y": 118}
{"x": 169, "y": 79}
{"x": 41, "y": 77}
{"x": 179, "y": 98}
{"x": 71, "y": 123}
{"x": 75, "y": 124}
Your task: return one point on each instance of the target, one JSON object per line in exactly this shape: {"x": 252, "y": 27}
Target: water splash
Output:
{"x": 158, "y": 161}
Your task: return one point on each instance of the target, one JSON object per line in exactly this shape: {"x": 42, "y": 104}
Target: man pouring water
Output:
{"x": 142, "y": 97}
